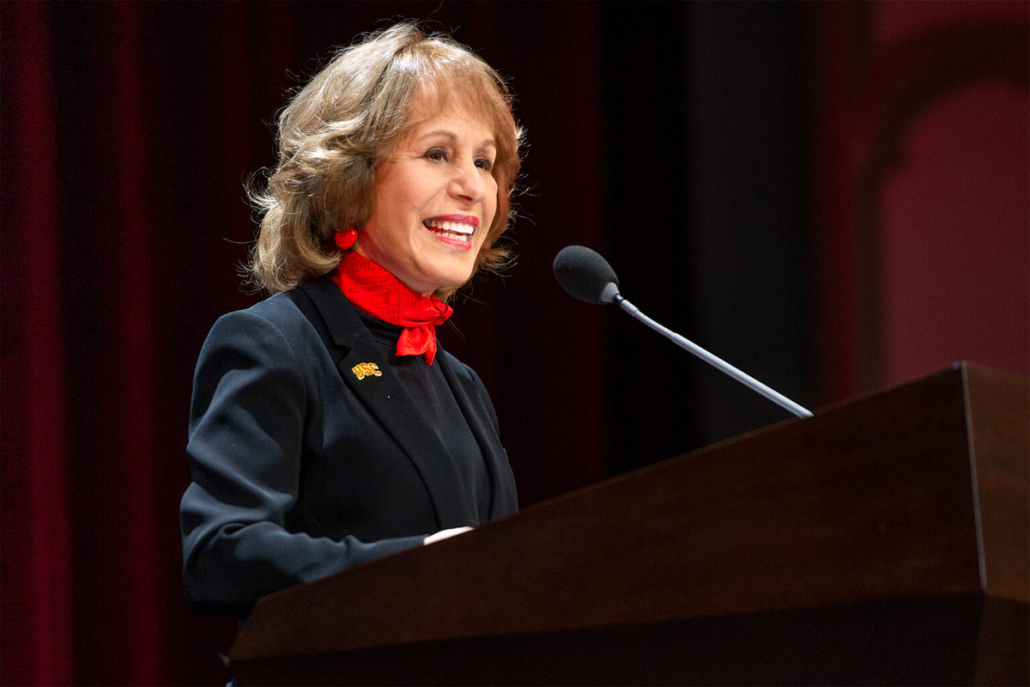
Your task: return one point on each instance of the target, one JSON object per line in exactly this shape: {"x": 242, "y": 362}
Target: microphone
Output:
{"x": 587, "y": 276}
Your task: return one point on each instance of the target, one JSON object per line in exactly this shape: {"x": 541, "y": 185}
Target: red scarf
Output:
{"x": 376, "y": 292}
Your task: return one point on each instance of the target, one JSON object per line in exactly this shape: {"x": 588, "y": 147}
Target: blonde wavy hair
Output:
{"x": 345, "y": 122}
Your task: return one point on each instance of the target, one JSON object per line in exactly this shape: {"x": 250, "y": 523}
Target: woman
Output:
{"x": 327, "y": 427}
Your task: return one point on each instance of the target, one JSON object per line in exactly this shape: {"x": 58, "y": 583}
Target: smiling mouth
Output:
{"x": 453, "y": 230}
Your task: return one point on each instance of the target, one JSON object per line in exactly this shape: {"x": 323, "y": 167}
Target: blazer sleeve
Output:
{"x": 245, "y": 451}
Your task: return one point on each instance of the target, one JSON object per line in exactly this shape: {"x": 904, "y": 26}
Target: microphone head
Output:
{"x": 586, "y": 275}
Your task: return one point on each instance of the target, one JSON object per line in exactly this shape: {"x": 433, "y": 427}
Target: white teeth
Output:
{"x": 450, "y": 227}
{"x": 454, "y": 235}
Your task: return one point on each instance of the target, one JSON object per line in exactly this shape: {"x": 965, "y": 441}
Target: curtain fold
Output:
{"x": 37, "y": 610}
{"x": 133, "y": 346}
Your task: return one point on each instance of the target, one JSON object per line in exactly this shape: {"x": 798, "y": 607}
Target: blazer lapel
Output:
{"x": 483, "y": 429}
{"x": 384, "y": 396}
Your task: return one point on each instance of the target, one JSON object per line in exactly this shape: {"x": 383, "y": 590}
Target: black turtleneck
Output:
{"x": 433, "y": 396}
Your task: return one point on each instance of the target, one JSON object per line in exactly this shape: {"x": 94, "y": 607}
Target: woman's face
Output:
{"x": 435, "y": 198}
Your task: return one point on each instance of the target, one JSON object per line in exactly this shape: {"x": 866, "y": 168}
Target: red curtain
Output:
{"x": 37, "y": 631}
{"x": 127, "y": 131}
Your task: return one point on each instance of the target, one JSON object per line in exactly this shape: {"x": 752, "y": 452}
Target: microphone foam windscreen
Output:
{"x": 584, "y": 274}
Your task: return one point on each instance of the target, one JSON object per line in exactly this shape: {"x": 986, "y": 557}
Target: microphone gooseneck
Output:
{"x": 587, "y": 276}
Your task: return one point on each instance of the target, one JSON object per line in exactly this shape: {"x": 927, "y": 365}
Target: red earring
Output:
{"x": 347, "y": 238}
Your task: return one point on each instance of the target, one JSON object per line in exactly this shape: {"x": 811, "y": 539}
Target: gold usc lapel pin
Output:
{"x": 362, "y": 370}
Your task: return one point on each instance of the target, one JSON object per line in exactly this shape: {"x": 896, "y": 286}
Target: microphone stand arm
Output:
{"x": 712, "y": 360}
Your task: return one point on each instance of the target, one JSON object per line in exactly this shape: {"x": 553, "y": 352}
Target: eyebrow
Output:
{"x": 452, "y": 136}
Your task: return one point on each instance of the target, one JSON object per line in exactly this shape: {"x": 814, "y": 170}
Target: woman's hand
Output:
{"x": 445, "y": 534}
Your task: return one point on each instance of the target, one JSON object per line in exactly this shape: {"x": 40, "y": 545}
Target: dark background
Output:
{"x": 728, "y": 158}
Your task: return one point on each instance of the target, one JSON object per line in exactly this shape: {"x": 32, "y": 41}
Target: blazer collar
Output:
{"x": 340, "y": 317}
{"x": 387, "y": 399}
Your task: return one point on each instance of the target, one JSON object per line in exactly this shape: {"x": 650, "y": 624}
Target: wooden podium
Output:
{"x": 882, "y": 541}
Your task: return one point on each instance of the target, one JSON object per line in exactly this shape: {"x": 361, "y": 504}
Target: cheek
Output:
{"x": 494, "y": 200}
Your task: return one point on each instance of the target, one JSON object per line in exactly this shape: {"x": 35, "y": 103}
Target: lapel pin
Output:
{"x": 362, "y": 370}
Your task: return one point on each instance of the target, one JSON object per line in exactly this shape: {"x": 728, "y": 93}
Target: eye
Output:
{"x": 484, "y": 163}
{"x": 436, "y": 155}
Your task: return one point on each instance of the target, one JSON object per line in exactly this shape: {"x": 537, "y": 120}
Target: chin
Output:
{"x": 452, "y": 279}
{"x": 449, "y": 283}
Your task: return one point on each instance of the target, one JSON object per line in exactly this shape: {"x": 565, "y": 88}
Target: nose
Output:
{"x": 467, "y": 183}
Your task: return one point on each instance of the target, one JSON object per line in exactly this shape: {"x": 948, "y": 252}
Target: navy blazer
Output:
{"x": 305, "y": 461}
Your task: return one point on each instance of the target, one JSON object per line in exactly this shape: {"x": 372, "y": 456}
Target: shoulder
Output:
{"x": 463, "y": 375}
{"x": 288, "y": 311}
{"x": 472, "y": 389}
{"x": 274, "y": 327}
{"x": 280, "y": 310}
{"x": 460, "y": 370}
{"x": 270, "y": 315}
